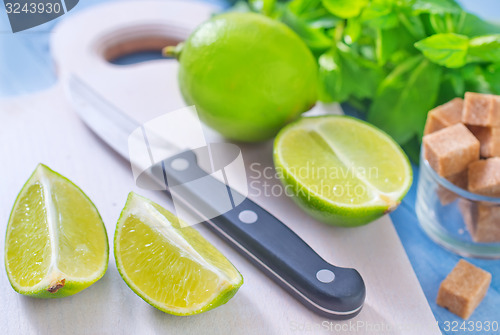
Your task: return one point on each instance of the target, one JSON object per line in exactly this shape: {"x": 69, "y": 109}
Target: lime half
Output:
{"x": 341, "y": 170}
{"x": 56, "y": 243}
{"x": 172, "y": 268}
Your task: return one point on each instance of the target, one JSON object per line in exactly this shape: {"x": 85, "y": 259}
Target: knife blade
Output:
{"x": 328, "y": 290}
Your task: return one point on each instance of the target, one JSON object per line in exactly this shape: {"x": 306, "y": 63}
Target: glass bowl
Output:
{"x": 463, "y": 222}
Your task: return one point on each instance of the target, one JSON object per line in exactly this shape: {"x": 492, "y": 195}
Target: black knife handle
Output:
{"x": 329, "y": 290}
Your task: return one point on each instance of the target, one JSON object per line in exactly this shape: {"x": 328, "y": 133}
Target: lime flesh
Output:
{"x": 172, "y": 268}
{"x": 247, "y": 75}
{"x": 56, "y": 243}
{"x": 341, "y": 170}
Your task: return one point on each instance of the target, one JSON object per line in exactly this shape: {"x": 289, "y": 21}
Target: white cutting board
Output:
{"x": 44, "y": 128}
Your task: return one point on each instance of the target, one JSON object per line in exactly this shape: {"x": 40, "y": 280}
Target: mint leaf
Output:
{"x": 474, "y": 26}
{"x": 344, "y": 74}
{"x": 492, "y": 76}
{"x": 303, "y": 6}
{"x": 482, "y": 79}
{"x": 380, "y": 14}
{"x": 486, "y": 48}
{"x": 449, "y": 50}
{"x": 452, "y": 85}
{"x": 345, "y": 8}
{"x": 330, "y": 77}
{"x": 474, "y": 79}
{"x": 435, "y": 6}
{"x": 412, "y": 149}
{"x": 393, "y": 43}
{"x": 315, "y": 38}
{"x": 265, "y": 7}
{"x": 352, "y": 31}
{"x": 413, "y": 23}
{"x": 404, "y": 97}
{"x": 319, "y": 17}
{"x": 326, "y": 22}
{"x": 457, "y": 82}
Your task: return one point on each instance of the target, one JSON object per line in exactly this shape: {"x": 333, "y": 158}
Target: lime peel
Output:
{"x": 35, "y": 226}
{"x": 345, "y": 144}
{"x": 247, "y": 75}
{"x": 190, "y": 275}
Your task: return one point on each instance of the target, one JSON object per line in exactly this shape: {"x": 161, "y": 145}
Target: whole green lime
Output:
{"x": 247, "y": 75}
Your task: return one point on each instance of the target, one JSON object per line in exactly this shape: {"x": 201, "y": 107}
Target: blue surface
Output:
{"x": 25, "y": 67}
{"x": 432, "y": 263}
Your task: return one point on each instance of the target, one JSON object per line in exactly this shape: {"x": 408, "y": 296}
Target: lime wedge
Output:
{"x": 341, "y": 170}
{"x": 56, "y": 243}
{"x": 172, "y": 268}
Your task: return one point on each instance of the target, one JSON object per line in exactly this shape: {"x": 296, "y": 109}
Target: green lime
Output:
{"x": 341, "y": 170}
{"x": 56, "y": 243}
{"x": 172, "y": 268}
{"x": 247, "y": 75}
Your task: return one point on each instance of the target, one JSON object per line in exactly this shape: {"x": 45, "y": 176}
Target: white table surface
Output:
{"x": 43, "y": 127}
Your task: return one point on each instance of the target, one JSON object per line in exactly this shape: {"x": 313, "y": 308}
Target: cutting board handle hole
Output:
{"x": 138, "y": 44}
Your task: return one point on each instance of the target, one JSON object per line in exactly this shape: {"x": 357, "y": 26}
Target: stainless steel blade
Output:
{"x": 107, "y": 121}
{"x": 118, "y": 129}
{"x": 144, "y": 145}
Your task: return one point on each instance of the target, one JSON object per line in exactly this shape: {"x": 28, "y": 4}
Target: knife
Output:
{"x": 331, "y": 291}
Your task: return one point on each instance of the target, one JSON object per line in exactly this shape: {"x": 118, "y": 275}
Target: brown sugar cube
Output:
{"x": 481, "y": 220}
{"x": 446, "y": 196}
{"x": 481, "y": 110}
{"x": 451, "y": 150}
{"x": 459, "y": 179}
{"x": 487, "y": 225}
{"x": 463, "y": 289}
{"x": 484, "y": 177}
{"x": 444, "y": 116}
{"x": 489, "y": 138}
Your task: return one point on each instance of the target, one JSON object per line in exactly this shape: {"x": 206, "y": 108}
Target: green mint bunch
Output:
{"x": 393, "y": 60}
